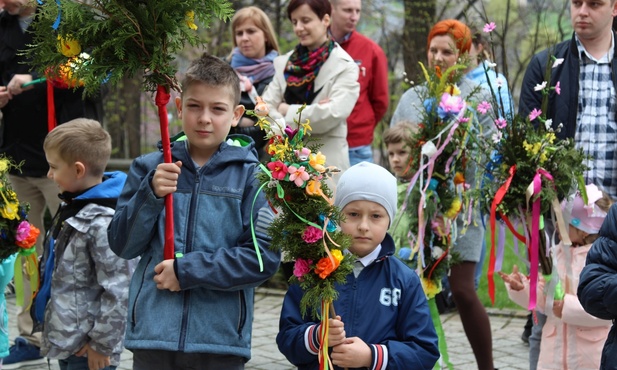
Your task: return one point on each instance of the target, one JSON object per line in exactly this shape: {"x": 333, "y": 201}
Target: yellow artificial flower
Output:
{"x": 453, "y": 90}
{"x": 431, "y": 288}
{"x": 306, "y": 125}
{"x": 9, "y": 211}
{"x": 455, "y": 207}
{"x": 313, "y": 187}
{"x": 263, "y": 123}
{"x": 190, "y": 20}
{"x": 337, "y": 254}
{"x": 4, "y": 165}
{"x": 550, "y": 137}
{"x": 279, "y": 150}
{"x": 317, "y": 161}
{"x": 68, "y": 47}
{"x": 543, "y": 157}
{"x": 532, "y": 149}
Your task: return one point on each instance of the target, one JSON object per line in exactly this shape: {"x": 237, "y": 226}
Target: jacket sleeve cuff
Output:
{"x": 311, "y": 339}
{"x": 379, "y": 354}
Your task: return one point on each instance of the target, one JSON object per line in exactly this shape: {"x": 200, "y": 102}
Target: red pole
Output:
{"x": 161, "y": 100}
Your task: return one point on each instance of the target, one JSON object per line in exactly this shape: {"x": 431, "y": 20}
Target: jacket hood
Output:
{"x": 112, "y": 185}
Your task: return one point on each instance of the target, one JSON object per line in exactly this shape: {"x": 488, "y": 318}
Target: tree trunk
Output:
{"x": 123, "y": 117}
{"x": 419, "y": 18}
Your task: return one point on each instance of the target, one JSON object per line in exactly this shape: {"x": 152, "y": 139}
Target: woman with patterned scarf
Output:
{"x": 255, "y": 48}
{"x": 320, "y": 74}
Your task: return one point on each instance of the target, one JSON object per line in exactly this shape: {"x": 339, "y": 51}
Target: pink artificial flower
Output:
{"x": 489, "y": 27}
{"x": 535, "y": 113}
{"x": 302, "y": 267}
{"x": 451, "y": 104}
{"x": 501, "y": 123}
{"x": 302, "y": 154}
{"x": 463, "y": 119}
{"x": 298, "y": 175}
{"x": 23, "y": 229}
{"x": 558, "y": 88}
{"x": 312, "y": 234}
{"x": 279, "y": 169}
{"x": 483, "y": 107}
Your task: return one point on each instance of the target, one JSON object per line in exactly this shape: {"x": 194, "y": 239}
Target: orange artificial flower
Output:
{"x": 313, "y": 187}
{"x": 30, "y": 240}
{"x": 459, "y": 178}
{"x": 325, "y": 266}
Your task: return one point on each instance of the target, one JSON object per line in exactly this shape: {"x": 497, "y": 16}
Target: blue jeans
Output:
{"x": 78, "y": 363}
{"x": 360, "y": 154}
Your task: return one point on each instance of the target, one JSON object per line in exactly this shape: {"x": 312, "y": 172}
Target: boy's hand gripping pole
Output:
{"x": 161, "y": 100}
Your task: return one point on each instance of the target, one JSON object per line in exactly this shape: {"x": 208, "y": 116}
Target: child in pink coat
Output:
{"x": 571, "y": 338}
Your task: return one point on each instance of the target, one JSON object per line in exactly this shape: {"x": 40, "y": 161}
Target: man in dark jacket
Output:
{"x": 583, "y": 105}
{"x": 24, "y": 127}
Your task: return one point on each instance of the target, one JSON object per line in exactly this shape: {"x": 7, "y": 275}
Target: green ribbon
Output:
{"x": 443, "y": 347}
{"x": 280, "y": 192}
{"x": 18, "y": 276}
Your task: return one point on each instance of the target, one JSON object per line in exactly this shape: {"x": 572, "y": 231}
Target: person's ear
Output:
{"x": 179, "y": 106}
{"x": 238, "y": 112}
{"x": 80, "y": 169}
{"x": 326, "y": 20}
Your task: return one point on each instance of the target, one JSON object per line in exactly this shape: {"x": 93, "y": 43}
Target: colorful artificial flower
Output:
{"x": 459, "y": 178}
{"x": 313, "y": 187}
{"x": 558, "y": 88}
{"x": 431, "y": 287}
{"x": 483, "y": 107}
{"x": 501, "y": 123}
{"x": 535, "y": 113}
{"x": 9, "y": 211}
{"x": 450, "y": 105}
{"x": 22, "y": 231}
{"x": 489, "y": 27}
{"x": 290, "y": 132}
{"x": 540, "y": 87}
{"x": 278, "y": 169}
{"x": 4, "y": 165}
{"x": 30, "y": 240}
{"x": 68, "y": 46}
{"x": 298, "y": 175}
{"x": 317, "y": 162}
{"x": 302, "y": 267}
{"x": 455, "y": 207}
{"x": 190, "y": 20}
{"x": 327, "y": 265}
{"x": 312, "y": 234}
{"x": 557, "y": 62}
{"x": 302, "y": 154}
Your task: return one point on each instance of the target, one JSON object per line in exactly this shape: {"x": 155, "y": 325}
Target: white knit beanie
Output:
{"x": 367, "y": 181}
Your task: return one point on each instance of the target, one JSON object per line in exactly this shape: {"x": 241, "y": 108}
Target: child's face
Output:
{"x": 367, "y": 222}
{"x": 398, "y": 157}
{"x": 65, "y": 175}
{"x": 577, "y": 236}
{"x": 207, "y": 114}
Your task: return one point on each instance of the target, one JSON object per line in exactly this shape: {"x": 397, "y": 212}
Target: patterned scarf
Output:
{"x": 302, "y": 69}
{"x": 255, "y": 69}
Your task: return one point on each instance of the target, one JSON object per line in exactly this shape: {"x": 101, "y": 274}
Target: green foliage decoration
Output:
{"x": 119, "y": 38}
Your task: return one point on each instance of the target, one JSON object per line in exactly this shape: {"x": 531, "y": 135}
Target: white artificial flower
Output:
{"x": 539, "y": 87}
{"x": 557, "y": 62}
{"x": 497, "y": 137}
{"x": 548, "y": 124}
{"x": 491, "y": 64}
{"x": 499, "y": 82}
{"x": 437, "y": 252}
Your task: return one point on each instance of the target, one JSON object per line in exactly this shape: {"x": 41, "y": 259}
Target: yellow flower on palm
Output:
{"x": 317, "y": 161}
{"x": 263, "y": 124}
{"x": 550, "y": 137}
{"x": 279, "y": 150}
{"x": 543, "y": 157}
{"x": 337, "y": 254}
{"x": 190, "y": 20}
{"x": 431, "y": 288}
{"x": 453, "y": 90}
{"x": 455, "y": 207}
{"x": 9, "y": 211}
{"x": 306, "y": 125}
{"x": 68, "y": 47}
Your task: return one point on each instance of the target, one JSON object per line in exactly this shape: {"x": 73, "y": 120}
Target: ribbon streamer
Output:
{"x": 441, "y": 337}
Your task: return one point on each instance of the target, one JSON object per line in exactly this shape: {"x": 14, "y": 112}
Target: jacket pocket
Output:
{"x": 133, "y": 302}
{"x": 241, "y": 312}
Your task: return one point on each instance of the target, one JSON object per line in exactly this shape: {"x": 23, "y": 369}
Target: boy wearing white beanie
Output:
{"x": 382, "y": 314}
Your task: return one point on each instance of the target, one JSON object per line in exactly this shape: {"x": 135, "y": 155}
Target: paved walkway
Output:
{"x": 509, "y": 351}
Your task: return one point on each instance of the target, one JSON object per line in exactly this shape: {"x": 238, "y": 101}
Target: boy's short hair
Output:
{"x": 402, "y": 132}
{"x": 81, "y": 140}
{"x": 367, "y": 181}
{"x": 213, "y": 71}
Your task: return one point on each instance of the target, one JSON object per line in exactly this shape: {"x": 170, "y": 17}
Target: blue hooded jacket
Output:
{"x": 218, "y": 268}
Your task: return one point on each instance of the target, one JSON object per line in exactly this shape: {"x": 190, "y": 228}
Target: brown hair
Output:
{"x": 460, "y": 33}
{"x": 81, "y": 140}
{"x": 261, "y": 21}
{"x": 213, "y": 71}
{"x": 402, "y": 132}
{"x": 319, "y": 7}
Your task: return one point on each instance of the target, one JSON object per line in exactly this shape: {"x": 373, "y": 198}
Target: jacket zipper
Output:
{"x": 242, "y": 321}
{"x": 187, "y": 249}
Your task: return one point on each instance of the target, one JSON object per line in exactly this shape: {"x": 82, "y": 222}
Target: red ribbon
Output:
{"x": 501, "y": 193}
{"x": 51, "y": 106}
{"x": 161, "y": 99}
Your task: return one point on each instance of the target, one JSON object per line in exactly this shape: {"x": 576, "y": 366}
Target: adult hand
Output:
{"x": 336, "y": 333}
{"x": 165, "y": 179}
{"x": 283, "y": 108}
{"x": 165, "y": 277}
{"x": 15, "y": 85}
{"x": 96, "y": 360}
{"x": 514, "y": 279}
{"x": 352, "y": 353}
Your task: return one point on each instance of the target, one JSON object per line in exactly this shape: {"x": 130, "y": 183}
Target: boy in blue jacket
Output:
{"x": 84, "y": 292}
{"x": 196, "y": 310}
{"x": 383, "y": 319}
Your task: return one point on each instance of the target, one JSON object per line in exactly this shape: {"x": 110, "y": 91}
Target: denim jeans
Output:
{"x": 360, "y": 154}
{"x": 78, "y": 363}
